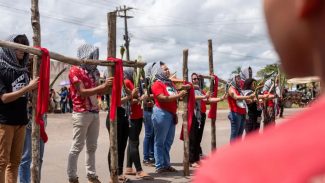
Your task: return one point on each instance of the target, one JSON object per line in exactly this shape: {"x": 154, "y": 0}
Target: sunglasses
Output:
{"x": 195, "y": 79}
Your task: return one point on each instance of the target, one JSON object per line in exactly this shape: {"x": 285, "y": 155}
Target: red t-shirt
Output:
{"x": 160, "y": 88}
{"x": 82, "y": 104}
{"x": 136, "y": 111}
{"x": 292, "y": 152}
{"x": 233, "y": 104}
{"x": 270, "y": 102}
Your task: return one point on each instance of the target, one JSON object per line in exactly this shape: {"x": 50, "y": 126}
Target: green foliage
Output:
{"x": 237, "y": 70}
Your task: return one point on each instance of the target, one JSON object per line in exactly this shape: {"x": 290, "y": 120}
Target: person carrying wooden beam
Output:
{"x": 84, "y": 81}
{"x": 14, "y": 88}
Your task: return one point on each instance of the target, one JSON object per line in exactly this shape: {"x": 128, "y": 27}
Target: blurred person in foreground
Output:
{"x": 294, "y": 150}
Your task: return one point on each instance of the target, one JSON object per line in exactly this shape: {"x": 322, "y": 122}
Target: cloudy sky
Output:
{"x": 159, "y": 31}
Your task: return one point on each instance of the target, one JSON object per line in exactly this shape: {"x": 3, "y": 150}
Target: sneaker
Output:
{"x": 73, "y": 180}
{"x": 171, "y": 169}
{"x": 148, "y": 163}
{"x": 93, "y": 179}
{"x": 161, "y": 170}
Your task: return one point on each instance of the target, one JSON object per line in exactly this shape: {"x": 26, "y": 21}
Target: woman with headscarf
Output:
{"x": 148, "y": 141}
{"x": 198, "y": 122}
{"x": 269, "y": 105}
{"x": 84, "y": 89}
{"x": 135, "y": 126}
{"x": 237, "y": 106}
{"x": 14, "y": 88}
{"x": 164, "y": 116}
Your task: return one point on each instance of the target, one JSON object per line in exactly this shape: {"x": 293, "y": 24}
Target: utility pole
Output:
{"x": 126, "y": 34}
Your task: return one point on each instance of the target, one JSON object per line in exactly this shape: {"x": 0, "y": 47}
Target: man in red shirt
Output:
{"x": 84, "y": 89}
{"x": 294, "y": 150}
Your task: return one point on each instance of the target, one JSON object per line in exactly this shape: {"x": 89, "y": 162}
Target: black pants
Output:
{"x": 252, "y": 124}
{"x": 133, "y": 155}
{"x": 194, "y": 141}
{"x": 122, "y": 138}
{"x": 201, "y": 130}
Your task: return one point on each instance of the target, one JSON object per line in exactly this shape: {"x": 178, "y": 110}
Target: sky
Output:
{"x": 159, "y": 31}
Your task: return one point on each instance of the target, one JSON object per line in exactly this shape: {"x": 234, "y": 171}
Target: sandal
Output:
{"x": 143, "y": 175}
{"x": 130, "y": 171}
{"x": 171, "y": 169}
{"x": 123, "y": 179}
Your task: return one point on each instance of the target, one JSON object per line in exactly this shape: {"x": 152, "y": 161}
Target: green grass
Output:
{"x": 221, "y": 105}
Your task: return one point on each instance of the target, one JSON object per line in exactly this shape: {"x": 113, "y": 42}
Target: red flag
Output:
{"x": 43, "y": 92}
{"x": 117, "y": 87}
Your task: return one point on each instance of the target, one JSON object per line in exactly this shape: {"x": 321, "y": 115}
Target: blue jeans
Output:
{"x": 149, "y": 138}
{"x": 237, "y": 122}
{"x": 24, "y": 167}
{"x": 164, "y": 129}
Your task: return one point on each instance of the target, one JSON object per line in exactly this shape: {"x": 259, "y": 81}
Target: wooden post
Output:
{"x": 35, "y": 178}
{"x": 111, "y": 18}
{"x": 186, "y": 163}
{"x": 213, "y": 121}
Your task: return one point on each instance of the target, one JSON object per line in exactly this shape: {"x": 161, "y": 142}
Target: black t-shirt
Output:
{"x": 252, "y": 109}
{"x": 13, "y": 113}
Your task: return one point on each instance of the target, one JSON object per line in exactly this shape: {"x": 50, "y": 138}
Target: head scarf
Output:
{"x": 267, "y": 86}
{"x": 128, "y": 74}
{"x": 8, "y": 59}
{"x": 91, "y": 52}
{"x": 232, "y": 82}
{"x": 244, "y": 74}
{"x": 148, "y": 70}
{"x": 159, "y": 74}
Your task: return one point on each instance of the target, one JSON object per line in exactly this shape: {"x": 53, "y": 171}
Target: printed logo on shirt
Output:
{"x": 171, "y": 90}
{"x": 18, "y": 84}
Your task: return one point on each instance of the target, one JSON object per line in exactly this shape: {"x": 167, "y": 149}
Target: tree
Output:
{"x": 237, "y": 70}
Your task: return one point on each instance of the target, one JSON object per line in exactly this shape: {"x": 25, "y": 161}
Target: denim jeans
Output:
{"x": 26, "y": 160}
{"x": 164, "y": 129}
{"x": 237, "y": 122}
{"x": 148, "y": 141}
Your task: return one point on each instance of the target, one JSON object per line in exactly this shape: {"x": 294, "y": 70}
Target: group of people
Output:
{"x": 65, "y": 102}
{"x": 153, "y": 102}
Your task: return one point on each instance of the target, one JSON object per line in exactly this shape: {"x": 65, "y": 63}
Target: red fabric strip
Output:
{"x": 213, "y": 107}
{"x": 43, "y": 92}
{"x": 190, "y": 109}
{"x": 117, "y": 87}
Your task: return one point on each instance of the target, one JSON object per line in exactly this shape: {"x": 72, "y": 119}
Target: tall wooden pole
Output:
{"x": 35, "y": 19}
{"x": 186, "y": 163}
{"x": 213, "y": 121}
{"x": 111, "y": 18}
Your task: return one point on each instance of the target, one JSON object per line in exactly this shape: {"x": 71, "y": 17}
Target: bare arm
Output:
{"x": 12, "y": 96}
{"x": 233, "y": 94}
{"x": 82, "y": 91}
{"x": 163, "y": 98}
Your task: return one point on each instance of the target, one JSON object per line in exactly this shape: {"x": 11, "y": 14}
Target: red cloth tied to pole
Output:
{"x": 190, "y": 108}
{"x": 117, "y": 86}
{"x": 43, "y": 92}
{"x": 213, "y": 107}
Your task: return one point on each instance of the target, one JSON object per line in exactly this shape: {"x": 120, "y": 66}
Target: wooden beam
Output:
{"x": 65, "y": 59}
{"x": 111, "y": 49}
{"x": 186, "y": 163}
{"x": 35, "y": 171}
{"x": 209, "y": 77}
{"x": 213, "y": 121}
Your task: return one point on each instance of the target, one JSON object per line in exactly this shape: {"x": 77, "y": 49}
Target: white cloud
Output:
{"x": 160, "y": 30}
